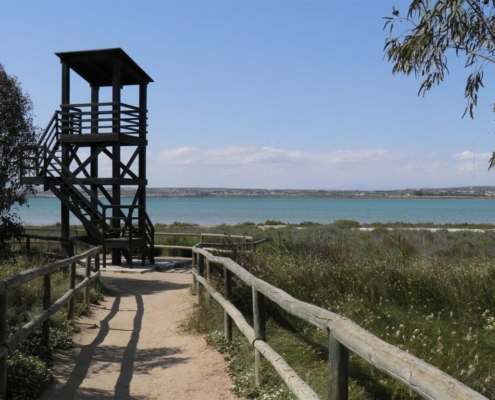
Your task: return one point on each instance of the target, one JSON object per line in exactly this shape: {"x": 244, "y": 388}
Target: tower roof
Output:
{"x": 96, "y": 66}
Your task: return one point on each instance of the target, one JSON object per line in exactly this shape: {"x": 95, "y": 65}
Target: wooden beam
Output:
{"x": 116, "y": 92}
{"x": 90, "y": 138}
{"x": 64, "y": 210}
{"x": 338, "y": 361}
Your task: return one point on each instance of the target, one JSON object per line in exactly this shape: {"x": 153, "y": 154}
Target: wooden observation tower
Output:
{"x": 89, "y": 153}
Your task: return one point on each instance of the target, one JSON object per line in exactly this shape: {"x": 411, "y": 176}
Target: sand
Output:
{"x": 131, "y": 346}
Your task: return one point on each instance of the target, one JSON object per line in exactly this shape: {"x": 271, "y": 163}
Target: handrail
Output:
{"x": 76, "y": 180}
{"x": 48, "y": 127}
{"x": 43, "y": 318}
{"x": 250, "y": 241}
{"x": 419, "y": 376}
{"x": 104, "y": 104}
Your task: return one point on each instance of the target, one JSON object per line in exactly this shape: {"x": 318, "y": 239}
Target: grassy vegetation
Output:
{"x": 429, "y": 293}
{"x": 28, "y": 366}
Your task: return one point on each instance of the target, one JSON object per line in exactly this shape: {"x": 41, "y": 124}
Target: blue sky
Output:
{"x": 264, "y": 94}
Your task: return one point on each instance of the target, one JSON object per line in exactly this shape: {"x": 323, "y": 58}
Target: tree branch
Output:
{"x": 482, "y": 17}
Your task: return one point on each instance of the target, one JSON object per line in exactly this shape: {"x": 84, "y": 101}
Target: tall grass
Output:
{"x": 428, "y": 293}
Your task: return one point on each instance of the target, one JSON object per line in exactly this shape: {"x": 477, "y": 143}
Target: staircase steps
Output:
{"x": 49, "y": 170}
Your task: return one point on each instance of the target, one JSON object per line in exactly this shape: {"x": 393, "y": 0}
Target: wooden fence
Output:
{"x": 43, "y": 318}
{"x": 247, "y": 241}
{"x": 343, "y": 336}
{"x": 240, "y": 241}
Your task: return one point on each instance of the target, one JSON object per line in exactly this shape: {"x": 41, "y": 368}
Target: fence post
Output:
{"x": 200, "y": 267}
{"x": 87, "y": 275}
{"x": 338, "y": 360}
{"x": 208, "y": 270}
{"x": 193, "y": 265}
{"x": 259, "y": 330}
{"x": 227, "y": 321}
{"x": 72, "y": 285}
{"x": 28, "y": 243}
{"x": 46, "y": 305}
{"x": 3, "y": 340}
{"x": 97, "y": 261}
{"x": 193, "y": 259}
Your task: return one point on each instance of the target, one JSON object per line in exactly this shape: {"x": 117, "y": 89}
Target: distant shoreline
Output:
{"x": 471, "y": 192}
{"x": 464, "y": 197}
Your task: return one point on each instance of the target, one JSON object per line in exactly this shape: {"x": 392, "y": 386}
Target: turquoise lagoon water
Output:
{"x": 216, "y": 211}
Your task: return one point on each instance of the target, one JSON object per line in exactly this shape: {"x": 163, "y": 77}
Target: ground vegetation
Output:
{"x": 428, "y": 293}
{"x": 28, "y": 365}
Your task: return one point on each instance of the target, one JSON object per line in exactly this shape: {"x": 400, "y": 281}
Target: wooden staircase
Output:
{"x": 133, "y": 228}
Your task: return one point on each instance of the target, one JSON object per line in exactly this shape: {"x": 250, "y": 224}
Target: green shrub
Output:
{"x": 346, "y": 224}
{"x": 273, "y": 222}
{"x": 27, "y": 376}
{"x": 180, "y": 224}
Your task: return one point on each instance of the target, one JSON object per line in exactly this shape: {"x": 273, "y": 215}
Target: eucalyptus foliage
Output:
{"x": 436, "y": 29}
{"x": 16, "y": 131}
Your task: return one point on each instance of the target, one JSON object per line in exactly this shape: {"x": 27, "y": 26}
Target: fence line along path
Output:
{"x": 131, "y": 346}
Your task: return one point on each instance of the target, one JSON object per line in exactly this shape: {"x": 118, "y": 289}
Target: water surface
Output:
{"x": 215, "y": 211}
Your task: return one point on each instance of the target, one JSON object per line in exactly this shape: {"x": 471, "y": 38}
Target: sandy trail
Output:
{"x": 131, "y": 347}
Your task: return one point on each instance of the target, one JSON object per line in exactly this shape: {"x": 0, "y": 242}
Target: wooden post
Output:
{"x": 208, "y": 270}
{"x": 97, "y": 262}
{"x": 28, "y": 243}
{"x": 3, "y": 340}
{"x": 259, "y": 330}
{"x": 227, "y": 321}
{"x": 72, "y": 285}
{"x": 200, "y": 265}
{"x": 200, "y": 261}
{"x": 143, "y": 88}
{"x": 338, "y": 360}
{"x": 87, "y": 287}
{"x": 46, "y": 305}
{"x": 116, "y": 155}
{"x": 193, "y": 265}
{"x": 95, "y": 93}
{"x": 64, "y": 210}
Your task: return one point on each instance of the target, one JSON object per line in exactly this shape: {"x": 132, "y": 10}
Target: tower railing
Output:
{"x": 103, "y": 119}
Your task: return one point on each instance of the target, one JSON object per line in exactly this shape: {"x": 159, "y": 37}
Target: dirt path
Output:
{"x": 131, "y": 348}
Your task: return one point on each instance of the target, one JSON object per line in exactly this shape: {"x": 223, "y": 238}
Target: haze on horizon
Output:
{"x": 271, "y": 94}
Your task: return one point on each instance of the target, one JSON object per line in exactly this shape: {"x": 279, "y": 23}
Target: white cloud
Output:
{"x": 273, "y": 167}
{"x": 469, "y": 155}
{"x": 237, "y": 156}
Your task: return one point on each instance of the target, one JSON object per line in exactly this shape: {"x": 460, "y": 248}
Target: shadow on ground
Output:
{"x": 129, "y": 286}
{"x": 104, "y": 356}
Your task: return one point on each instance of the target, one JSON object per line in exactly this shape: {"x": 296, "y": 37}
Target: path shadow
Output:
{"x": 122, "y": 386}
{"x": 86, "y": 355}
{"x": 106, "y": 355}
{"x": 94, "y": 394}
{"x": 129, "y": 286}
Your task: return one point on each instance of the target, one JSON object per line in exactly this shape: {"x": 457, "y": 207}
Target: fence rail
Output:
{"x": 43, "y": 318}
{"x": 248, "y": 240}
{"x": 344, "y": 336}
